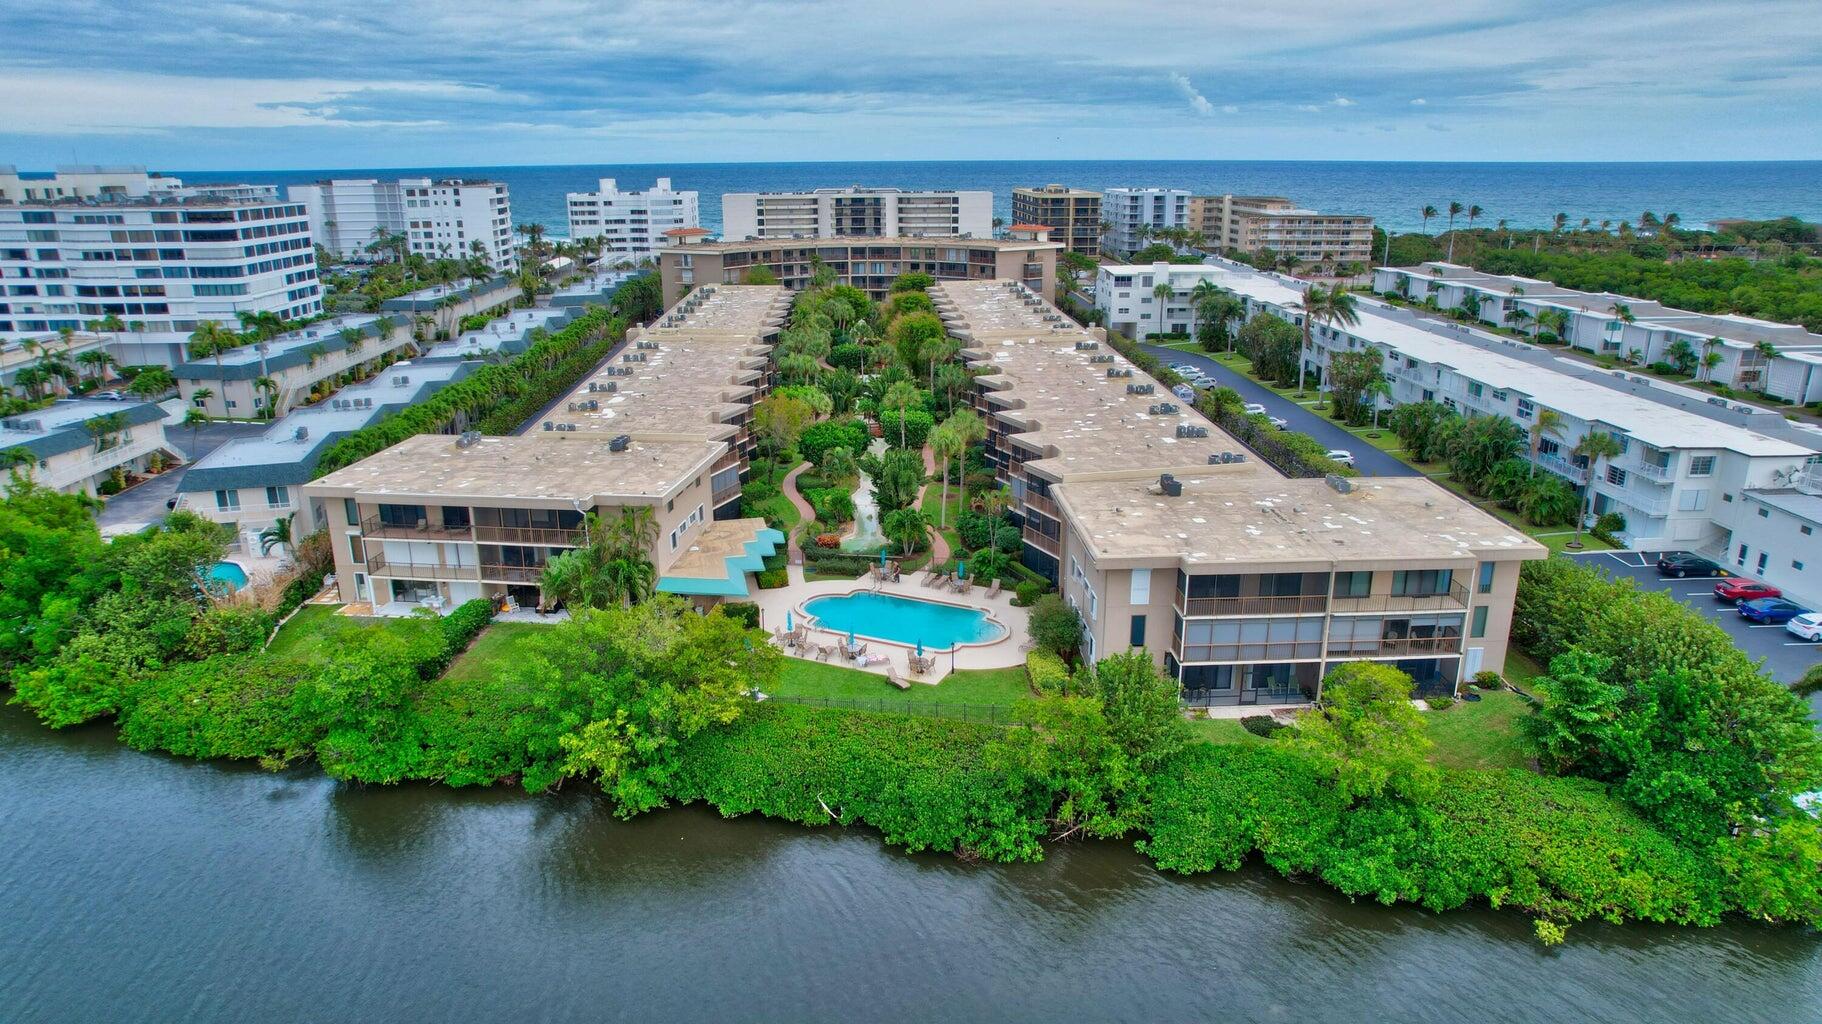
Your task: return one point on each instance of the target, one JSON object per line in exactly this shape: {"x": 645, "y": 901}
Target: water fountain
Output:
{"x": 866, "y": 535}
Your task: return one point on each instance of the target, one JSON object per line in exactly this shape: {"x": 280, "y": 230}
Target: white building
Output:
{"x": 856, "y": 211}
{"x": 1782, "y": 360}
{"x": 448, "y": 217}
{"x": 75, "y": 445}
{"x": 631, "y": 223}
{"x": 95, "y": 242}
{"x": 1128, "y": 210}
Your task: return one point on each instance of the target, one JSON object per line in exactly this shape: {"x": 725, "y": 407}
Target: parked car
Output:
{"x": 1280, "y": 422}
{"x": 1771, "y": 610}
{"x": 1184, "y": 391}
{"x": 1185, "y": 369}
{"x": 1253, "y": 409}
{"x": 1341, "y": 455}
{"x": 1681, "y": 563}
{"x": 1200, "y": 379}
{"x": 110, "y": 396}
{"x": 1807, "y": 626}
{"x": 1739, "y": 589}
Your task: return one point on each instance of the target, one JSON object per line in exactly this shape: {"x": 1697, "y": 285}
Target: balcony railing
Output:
{"x": 372, "y": 526}
{"x": 1048, "y": 545}
{"x": 512, "y": 573}
{"x": 1042, "y": 503}
{"x": 379, "y": 565}
{"x": 545, "y": 535}
{"x": 1400, "y": 647}
{"x": 1653, "y": 471}
{"x": 1455, "y": 597}
{"x": 1193, "y": 607}
{"x": 1192, "y": 653}
{"x": 724, "y": 495}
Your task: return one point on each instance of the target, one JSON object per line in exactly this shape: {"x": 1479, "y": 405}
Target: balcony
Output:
{"x": 1043, "y": 504}
{"x": 1396, "y": 648}
{"x": 511, "y": 573}
{"x": 1653, "y": 471}
{"x": 1049, "y": 545}
{"x": 1243, "y": 652}
{"x": 372, "y": 526}
{"x": 1200, "y": 607}
{"x": 723, "y": 495}
{"x": 379, "y": 565}
{"x": 1456, "y": 597}
{"x": 545, "y": 535}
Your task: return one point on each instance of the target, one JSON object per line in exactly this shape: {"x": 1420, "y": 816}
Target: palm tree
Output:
{"x": 278, "y": 535}
{"x": 1163, "y": 293}
{"x": 1556, "y": 321}
{"x": 1379, "y": 388}
{"x": 95, "y": 363}
{"x": 195, "y": 419}
{"x": 1428, "y": 212}
{"x": 946, "y": 445}
{"x": 1199, "y": 298}
{"x": 1594, "y": 446}
{"x": 1558, "y": 222}
{"x": 269, "y": 388}
{"x": 1549, "y": 423}
{"x": 1709, "y": 362}
{"x": 211, "y": 339}
{"x": 902, "y": 395}
{"x": 1329, "y": 305}
{"x": 1474, "y": 214}
{"x": 1454, "y": 210}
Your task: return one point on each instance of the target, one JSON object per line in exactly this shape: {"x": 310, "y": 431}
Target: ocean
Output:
{"x": 1523, "y": 194}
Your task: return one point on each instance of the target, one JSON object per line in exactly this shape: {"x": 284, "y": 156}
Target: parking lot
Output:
{"x": 1786, "y": 657}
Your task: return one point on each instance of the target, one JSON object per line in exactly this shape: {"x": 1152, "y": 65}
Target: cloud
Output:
{"x": 1309, "y": 108}
{"x": 1230, "y": 109}
{"x": 1197, "y": 102}
{"x": 1342, "y": 101}
{"x": 1419, "y": 102}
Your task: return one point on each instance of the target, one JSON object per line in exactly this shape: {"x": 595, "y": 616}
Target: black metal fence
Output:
{"x": 988, "y": 714}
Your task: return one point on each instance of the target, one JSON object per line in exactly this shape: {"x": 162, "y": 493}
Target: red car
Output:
{"x": 1735, "y": 590}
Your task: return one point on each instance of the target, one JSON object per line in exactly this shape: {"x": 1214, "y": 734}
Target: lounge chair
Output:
{"x": 993, "y": 591}
{"x": 964, "y": 587}
{"x": 927, "y": 577}
{"x": 895, "y": 679}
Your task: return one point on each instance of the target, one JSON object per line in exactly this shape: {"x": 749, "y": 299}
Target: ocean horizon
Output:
{"x": 1392, "y": 192}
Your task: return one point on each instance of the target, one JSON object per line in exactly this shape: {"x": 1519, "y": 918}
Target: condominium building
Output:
{"x": 451, "y": 217}
{"x": 631, "y": 223}
{"x": 1690, "y": 472}
{"x": 1133, "y": 213}
{"x": 1782, "y": 360}
{"x": 1073, "y": 215}
{"x": 857, "y": 212}
{"x": 870, "y": 264}
{"x": 75, "y": 445}
{"x": 1252, "y": 224}
{"x": 1166, "y": 534}
{"x": 664, "y": 425}
{"x": 296, "y": 363}
{"x": 92, "y": 243}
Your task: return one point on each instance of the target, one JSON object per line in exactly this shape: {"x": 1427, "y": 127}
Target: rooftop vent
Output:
{"x": 1087, "y": 346}
{"x": 400, "y": 380}
{"x": 620, "y": 443}
{"x": 648, "y": 345}
{"x": 633, "y": 357}
{"x": 1164, "y": 409}
{"x": 548, "y": 425}
{"x": 1119, "y": 371}
{"x": 1340, "y": 484}
{"x": 1138, "y": 389}
{"x": 467, "y": 438}
{"x": 1191, "y": 430}
{"x": 301, "y": 433}
{"x": 1170, "y": 485}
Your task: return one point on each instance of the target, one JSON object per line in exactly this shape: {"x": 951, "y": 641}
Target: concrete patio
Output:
{"x": 1006, "y": 652}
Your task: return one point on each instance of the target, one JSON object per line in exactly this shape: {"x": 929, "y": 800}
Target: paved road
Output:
{"x": 1786, "y": 657}
{"x": 136, "y": 508}
{"x": 1368, "y": 459}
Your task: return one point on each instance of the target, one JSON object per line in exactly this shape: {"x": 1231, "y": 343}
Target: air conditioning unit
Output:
{"x": 301, "y": 433}
{"x": 1087, "y": 346}
{"x": 1164, "y": 409}
{"x": 467, "y": 438}
{"x": 1191, "y": 430}
{"x": 1341, "y": 484}
{"x": 548, "y": 425}
{"x": 1119, "y": 371}
{"x": 1170, "y": 485}
{"x": 1138, "y": 389}
{"x": 620, "y": 443}
{"x": 1108, "y": 358}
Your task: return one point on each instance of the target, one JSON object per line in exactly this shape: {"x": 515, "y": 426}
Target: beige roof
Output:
{"x": 558, "y": 469}
{"x": 1246, "y": 518}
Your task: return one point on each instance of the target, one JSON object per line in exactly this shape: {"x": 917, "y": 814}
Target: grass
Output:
{"x": 800, "y": 678}
{"x": 1482, "y": 734}
{"x": 312, "y": 633}
{"x": 497, "y": 646}
{"x": 1222, "y": 730}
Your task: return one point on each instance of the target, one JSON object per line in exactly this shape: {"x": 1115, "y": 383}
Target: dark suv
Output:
{"x": 1682, "y": 563}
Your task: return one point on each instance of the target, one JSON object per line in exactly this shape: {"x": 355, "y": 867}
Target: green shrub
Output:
{"x": 1262, "y": 725}
{"x": 918, "y": 424}
{"x": 1440, "y": 703}
{"x": 744, "y": 612}
{"x": 1488, "y": 679}
{"x": 1027, "y": 592}
{"x": 771, "y": 579}
{"x": 1046, "y": 672}
{"x": 459, "y": 628}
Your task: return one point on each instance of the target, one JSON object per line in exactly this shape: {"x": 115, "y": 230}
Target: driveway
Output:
{"x": 143, "y": 505}
{"x": 1786, "y": 657}
{"x": 1368, "y": 459}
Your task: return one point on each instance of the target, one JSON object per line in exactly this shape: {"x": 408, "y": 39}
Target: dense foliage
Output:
{"x": 1787, "y": 291}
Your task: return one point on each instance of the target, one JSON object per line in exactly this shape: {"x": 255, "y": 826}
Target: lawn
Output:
{"x": 314, "y": 631}
{"x": 800, "y": 678}
{"x": 1482, "y": 734}
{"x": 497, "y": 646}
{"x": 1222, "y": 730}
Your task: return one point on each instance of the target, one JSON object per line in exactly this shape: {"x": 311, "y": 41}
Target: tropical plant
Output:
{"x": 1548, "y": 423}
{"x": 1594, "y": 446}
{"x": 278, "y": 535}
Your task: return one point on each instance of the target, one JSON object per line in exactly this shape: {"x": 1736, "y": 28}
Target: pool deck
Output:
{"x": 1005, "y": 652}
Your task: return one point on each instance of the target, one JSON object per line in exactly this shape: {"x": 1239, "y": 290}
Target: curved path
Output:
{"x": 794, "y": 554}
{"x": 939, "y": 545}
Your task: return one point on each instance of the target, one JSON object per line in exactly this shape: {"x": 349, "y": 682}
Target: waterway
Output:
{"x": 146, "y": 888}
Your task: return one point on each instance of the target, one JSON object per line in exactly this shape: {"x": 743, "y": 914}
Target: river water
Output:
{"x": 144, "y": 888}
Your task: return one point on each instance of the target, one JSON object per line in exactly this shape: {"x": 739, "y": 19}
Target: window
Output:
{"x": 1421, "y": 582}
{"x": 1692, "y": 499}
{"x": 1804, "y": 530}
{"x": 1762, "y": 559}
{"x": 1353, "y": 584}
{"x": 1137, "y": 638}
{"x": 227, "y": 501}
{"x": 1478, "y": 628}
{"x": 1701, "y": 465}
{"x": 1486, "y": 577}
{"x": 1616, "y": 476}
{"x": 278, "y": 497}
{"x": 1475, "y": 389}
{"x": 1764, "y": 513}
{"x": 1796, "y": 565}
{"x": 351, "y": 511}
{"x": 1141, "y": 589}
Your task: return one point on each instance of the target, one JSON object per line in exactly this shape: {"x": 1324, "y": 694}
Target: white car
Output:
{"x": 1280, "y": 422}
{"x": 1185, "y": 369}
{"x": 1253, "y": 409}
{"x": 1807, "y": 626}
{"x": 1341, "y": 455}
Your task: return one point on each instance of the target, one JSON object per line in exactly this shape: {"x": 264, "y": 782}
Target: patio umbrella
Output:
{"x": 961, "y": 570}
{"x": 787, "y": 620}
{"x": 850, "y": 638}
{"x": 920, "y": 647}
{"x": 882, "y": 558}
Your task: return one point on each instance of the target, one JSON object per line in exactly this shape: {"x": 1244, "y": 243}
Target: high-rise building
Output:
{"x": 631, "y": 223}
{"x": 1133, "y": 213}
{"x": 1250, "y": 224}
{"x": 448, "y": 217}
{"x": 856, "y": 211}
{"x": 89, "y": 243}
{"x": 1073, "y": 215}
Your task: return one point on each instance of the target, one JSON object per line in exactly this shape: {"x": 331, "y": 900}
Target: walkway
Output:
{"x": 805, "y": 514}
{"x": 1371, "y": 461}
{"x": 939, "y": 545}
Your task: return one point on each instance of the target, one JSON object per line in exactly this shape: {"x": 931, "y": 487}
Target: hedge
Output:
{"x": 1046, "y": 672}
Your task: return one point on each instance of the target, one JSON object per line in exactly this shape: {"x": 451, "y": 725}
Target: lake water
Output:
{"x": 1526, "y": 194}
{"x": 145, "y": 888}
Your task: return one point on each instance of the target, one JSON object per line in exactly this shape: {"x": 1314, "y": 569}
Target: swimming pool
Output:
{"x": 904, "y": 620}
{"x": 229, "y": 574}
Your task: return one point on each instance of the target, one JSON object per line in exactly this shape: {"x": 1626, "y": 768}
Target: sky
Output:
{"x": 270, "y": 84}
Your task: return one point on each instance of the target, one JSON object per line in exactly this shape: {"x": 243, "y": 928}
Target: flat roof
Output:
{"x": 1221, "y": 518}
{"x": 1802, "y": 504}
{"x": 506, "y": 334}
{"x": 559, "y": 469}
{"x": 863, "y": 241}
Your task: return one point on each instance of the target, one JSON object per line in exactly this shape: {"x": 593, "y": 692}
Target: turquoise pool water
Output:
{"x": 904, "y": 620}
{"x": 228, "y": 573}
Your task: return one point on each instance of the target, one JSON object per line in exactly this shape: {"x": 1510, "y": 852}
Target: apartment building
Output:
{"x": 75, "y": 445}
{"x": 631, "y": 223}
{"x": 438, "y": 217}
{"x": 1166, "y": 534}
{"x": 1782, "y": 360}
{"x": 1133, "y": 213}
{"x": 1252, "y": 224}
{"x": 1689, "y": 471}
{"x": 664, "y": 425}
{"x": 1073, "y": 215}
{"x": 870, "y": 264}
{"x": 227, "y": 385}
{"x": 856, "y": 211}
{"x": 92, "y": 243}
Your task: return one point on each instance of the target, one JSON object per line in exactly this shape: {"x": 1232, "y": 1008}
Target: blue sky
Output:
{"x": 271, "y": 85}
